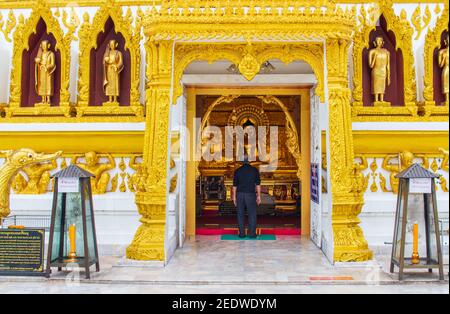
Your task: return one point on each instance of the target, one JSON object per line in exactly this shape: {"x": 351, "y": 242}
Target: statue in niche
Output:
{"x": 380, "y": 63}
{"x": 405, "y": 160}
{"x": 443, "y": 63}
{"x": 113, "y": 66}
{"x": 45, "y": 67}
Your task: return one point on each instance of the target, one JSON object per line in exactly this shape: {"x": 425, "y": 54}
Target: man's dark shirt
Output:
{"x": 246, "y": 179}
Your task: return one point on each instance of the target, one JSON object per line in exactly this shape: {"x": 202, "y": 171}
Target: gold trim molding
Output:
{"x": 88, "y": 41}
{"x": 21, "y": 4}
{"x": 185, "y": 54}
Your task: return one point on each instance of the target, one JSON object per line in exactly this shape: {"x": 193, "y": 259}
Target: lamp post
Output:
{"x": 417, "y": 214}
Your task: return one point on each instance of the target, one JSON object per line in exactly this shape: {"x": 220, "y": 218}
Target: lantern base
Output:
{"x": 415, "y": 259}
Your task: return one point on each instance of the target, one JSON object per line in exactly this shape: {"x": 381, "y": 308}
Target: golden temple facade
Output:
{"x": 357, "y": 90}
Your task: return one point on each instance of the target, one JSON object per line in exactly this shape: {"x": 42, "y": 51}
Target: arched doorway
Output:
{"x": 345, "y": 240}
{"x": 298, "y": 81}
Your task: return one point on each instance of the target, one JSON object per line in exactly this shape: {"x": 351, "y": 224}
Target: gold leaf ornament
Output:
{"x": 249, "y": 65}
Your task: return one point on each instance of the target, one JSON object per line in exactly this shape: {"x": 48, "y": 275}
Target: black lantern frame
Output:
{"x": 80, "y": 210}
{"x": 433, "y": 259}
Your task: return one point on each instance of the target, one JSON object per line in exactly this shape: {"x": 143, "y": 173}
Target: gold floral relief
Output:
{"x": 249, "y": 59}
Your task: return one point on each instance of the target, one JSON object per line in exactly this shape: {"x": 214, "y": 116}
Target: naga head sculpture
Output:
{"x": 24, "y": 157}
{"x": 16, "y": 161}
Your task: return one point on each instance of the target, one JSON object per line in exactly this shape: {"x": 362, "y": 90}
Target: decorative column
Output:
{"x": 148, "y": 243}
{"x": 347, "y": 192}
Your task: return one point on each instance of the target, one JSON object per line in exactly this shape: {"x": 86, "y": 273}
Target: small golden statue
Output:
{"x": 380, "y": 63}
{"x": 443, "y": 63}
{"x": 113, "y": 66}
{"x": 406, "y": 160}
{"x": 100, "y": 170}
{"x": 133, "y": 180}
{"x": 45, "y": 66}
{"x": 38, "y": 178}
{"x": 361, "y": 181}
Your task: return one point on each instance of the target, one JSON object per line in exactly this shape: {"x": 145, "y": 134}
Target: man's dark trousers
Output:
{"x": 246, "y": 201}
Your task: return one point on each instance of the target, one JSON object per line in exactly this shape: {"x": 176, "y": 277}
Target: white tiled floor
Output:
{"x": 290, "y": 264}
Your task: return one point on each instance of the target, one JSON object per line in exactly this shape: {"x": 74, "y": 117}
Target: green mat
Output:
{"x": 263, "y": 237}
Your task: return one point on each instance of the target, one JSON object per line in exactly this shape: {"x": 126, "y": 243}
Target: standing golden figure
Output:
{"x": 380, "y": 63}
{"x": 45, "y": 67}
{"x": 443, "y": 63}
{"x": 113, "y": 66}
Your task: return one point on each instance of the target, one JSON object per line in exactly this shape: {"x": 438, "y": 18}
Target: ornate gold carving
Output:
{"x": 420, "y": 21}
{"x": 36, "y": 179}
{"x": 404, "y": 160}
{"x": 21, "y": 36}
{"x": 16, "y": 161}
{"x": 249, "y": 65}
{"x": 348, "y": 200}
{"x": 92, "y": 164}
{"x": 361, "y": 181}
{"x": 403, "y": 32}
{"x": 309, "y": 52}
{"x": 10, "y": 24}
{"x": 432, "y": 42}
{"x": 148, "y": 243}
{"x": 88, "y": 40}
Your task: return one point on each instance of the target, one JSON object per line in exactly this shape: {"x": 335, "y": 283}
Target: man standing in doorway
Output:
{"x": 247, "y": 194}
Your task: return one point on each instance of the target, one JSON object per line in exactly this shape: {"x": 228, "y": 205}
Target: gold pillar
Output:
{"x": 305, "y": 142}
{"x": 191, "y": 166}
{"x": 347, "y": 199}
{"x": 148, "y": 243}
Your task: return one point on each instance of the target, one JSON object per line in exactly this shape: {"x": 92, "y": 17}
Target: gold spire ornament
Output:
{"x": 380, "y": 63}
{"x": 443, "y": 63}
{"x": 113, "y": 66}
{"x": 45, "y": 67}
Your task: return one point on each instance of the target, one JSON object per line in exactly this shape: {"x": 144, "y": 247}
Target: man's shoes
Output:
{"x": 242, "y": 236}
{"x": 253, "y": 237}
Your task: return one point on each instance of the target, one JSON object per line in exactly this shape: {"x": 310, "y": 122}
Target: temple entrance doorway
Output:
{"x": 286, "y": 189}
{"x": 262, "y": 117}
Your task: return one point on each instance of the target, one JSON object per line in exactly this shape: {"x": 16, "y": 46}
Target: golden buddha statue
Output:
{"x": 38, "y": 178}
{"x": 113, "y": 66}
{"x": 100, "y": 182}
{"x": 406, "y": 159}
{"x": 45, "y": 66}
{"x": 379, "y": 62}
{"x": 443, "y": 63}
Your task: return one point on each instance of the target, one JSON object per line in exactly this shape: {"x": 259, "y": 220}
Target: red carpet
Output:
{"x": 272, "y": 231}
